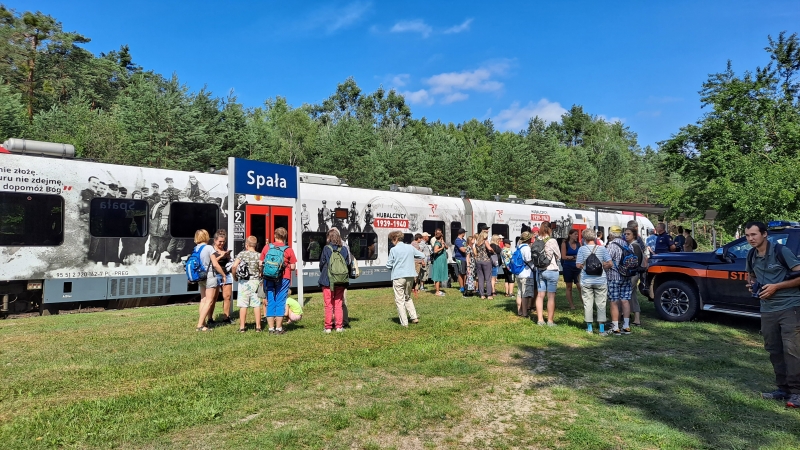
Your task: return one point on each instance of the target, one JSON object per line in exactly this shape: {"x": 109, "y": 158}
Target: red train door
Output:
{"x": 261, "y": 221}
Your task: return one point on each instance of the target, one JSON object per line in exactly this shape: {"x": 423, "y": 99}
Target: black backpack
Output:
{"x": 592, "y": 266}
{"x": 538, "y": 255}
{"x": 243, "y": 270}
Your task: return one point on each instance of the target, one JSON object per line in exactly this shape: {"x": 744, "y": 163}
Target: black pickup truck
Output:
{"x": 683, "y": 284}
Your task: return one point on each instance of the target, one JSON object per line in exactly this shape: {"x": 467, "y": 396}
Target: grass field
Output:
{"x": 471, "y": 375}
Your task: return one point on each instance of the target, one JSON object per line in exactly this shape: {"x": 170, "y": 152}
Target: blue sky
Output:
{"x": 641, "y": 62}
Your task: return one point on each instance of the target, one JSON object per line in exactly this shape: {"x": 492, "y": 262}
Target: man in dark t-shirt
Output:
{"x": 664, "y": 242}
{"x": 780, "y": 306}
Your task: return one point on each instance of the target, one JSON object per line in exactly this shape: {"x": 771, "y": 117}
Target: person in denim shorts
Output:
{"x": 619, "y": 287}
{"x": 548, "y": 277}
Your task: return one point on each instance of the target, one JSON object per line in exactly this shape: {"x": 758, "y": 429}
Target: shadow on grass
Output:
{"x": 699, "y": 381}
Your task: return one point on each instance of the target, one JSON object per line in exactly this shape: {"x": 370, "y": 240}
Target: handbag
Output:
{"x": 495, "y": 261}
{"x": 260, "y": 291}
{"x": 355, "y": 272}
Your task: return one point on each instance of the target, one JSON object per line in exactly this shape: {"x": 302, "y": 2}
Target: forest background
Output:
{"x": 741, "y": 158}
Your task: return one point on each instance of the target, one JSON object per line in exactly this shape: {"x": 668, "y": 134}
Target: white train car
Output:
{"x": 82, "y": 231}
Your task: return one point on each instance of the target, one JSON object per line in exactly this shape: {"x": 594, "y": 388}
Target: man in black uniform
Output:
{"x": 173, "y": 192}
{"x": 155, "y": 197}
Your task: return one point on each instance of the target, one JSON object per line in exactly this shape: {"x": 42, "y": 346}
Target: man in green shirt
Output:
{"x": 780, "y": 310}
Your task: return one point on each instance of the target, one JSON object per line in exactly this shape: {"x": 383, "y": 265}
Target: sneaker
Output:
{"x": 794, "y": 401}
{"x": 616, "y": 332}
{"x": 626, "y": 330}
{"x": 541, "y": 324}
{"x": 777, "y": 394}
{"x": 340, "y": 330}
{"x": 440, "y": 293}
{"x": 591, "y": 332}
{"x": 327, "y": 331}
{"x": 551, "y": 324}
{"x": 280, "y": 332}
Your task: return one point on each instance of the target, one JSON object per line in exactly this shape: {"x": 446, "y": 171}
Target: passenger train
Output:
{"x": 76, "y": 231}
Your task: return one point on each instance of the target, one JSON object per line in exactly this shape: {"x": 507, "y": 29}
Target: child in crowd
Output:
{"x": 294, "y": 312}
{"x": 247, "y": 270}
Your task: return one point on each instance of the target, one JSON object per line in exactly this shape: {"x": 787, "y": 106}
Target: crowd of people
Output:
{"x": 478, "y": 261}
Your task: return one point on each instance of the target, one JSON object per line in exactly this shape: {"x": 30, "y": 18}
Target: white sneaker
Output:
{"x": 327, "y": 331}
{"x": 339, "y": 330}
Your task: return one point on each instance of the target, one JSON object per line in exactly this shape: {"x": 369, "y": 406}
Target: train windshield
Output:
{"x": 31, "y": 219}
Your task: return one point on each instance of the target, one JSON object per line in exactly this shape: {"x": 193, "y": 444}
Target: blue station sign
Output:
{"x": 267, "y": 179}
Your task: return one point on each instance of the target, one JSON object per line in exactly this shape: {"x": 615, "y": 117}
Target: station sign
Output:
{"x": 266, "y": 179}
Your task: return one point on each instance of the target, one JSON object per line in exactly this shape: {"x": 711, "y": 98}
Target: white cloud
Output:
{"x": 332, "y": 19}
{"x": 516, "y": 118}
{"x": 473, "y": 80}
{"x": 610, "y": 119}
{"x": 420, "y": 97}
{"x": 412, "y": 26}
{"x": 454, "y": 97}
{"x": 459, "y": 28}
{"x": 400, "y": 79}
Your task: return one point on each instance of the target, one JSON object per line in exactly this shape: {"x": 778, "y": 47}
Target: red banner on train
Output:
{"x": 540, "y": 217}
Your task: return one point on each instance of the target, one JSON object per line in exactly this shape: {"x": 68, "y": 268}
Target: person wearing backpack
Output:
{"x": 771, "y": 279}
{"x": 334, "y": 277}
{"x": 592, "y": 260}
{"x": 401, "y": 262}
{"x": 204, "y": 252}
{"x": 526, "y": 279}
{"x": 619, "y": 285}
{"x": 638, "y": 247}
{"x": 247, "y": 272}
{"x": 545, "y": 255}
{"x": 279, "y": 262}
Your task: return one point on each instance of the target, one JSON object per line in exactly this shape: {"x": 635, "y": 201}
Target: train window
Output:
{"x": 185, "y": 218}
{"x": 118, "y": 217}
{"x": 501, "y": 229}
{"x": 363, "y": 246}
{"x": 430, "y": 226}
{"x": 407, "y": 238}
{"x": 454, "y": 227}
{"x": 313, "y": 243}
{"x": 31, "y": 219}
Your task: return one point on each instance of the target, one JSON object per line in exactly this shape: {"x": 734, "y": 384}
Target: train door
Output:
{"x": 261, "y": 221}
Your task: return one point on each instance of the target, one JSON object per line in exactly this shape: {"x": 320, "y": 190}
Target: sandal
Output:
{"x": 202, "y": 329}
{"x": 242, "y": 330}
{"x": 258, "y": 330}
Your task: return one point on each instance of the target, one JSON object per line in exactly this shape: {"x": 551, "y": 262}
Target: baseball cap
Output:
{"x": 425, "y": 233}
{"x": 535, "y": 229}
{"x": 616, "y": 229}
{"x": 461, "y": 231}
{"x": 525, "y": 236}
{"x": 483, "y": 227}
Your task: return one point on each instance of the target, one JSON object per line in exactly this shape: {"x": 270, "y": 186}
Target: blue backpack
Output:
{"x": 274, "y": 263}
{"x": 517, "y": 264}
{"x": 195, "y": 270}
{"x": 629, "y": 263}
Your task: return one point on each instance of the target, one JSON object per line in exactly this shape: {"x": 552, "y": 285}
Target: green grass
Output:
{"x": 470, "y": 375}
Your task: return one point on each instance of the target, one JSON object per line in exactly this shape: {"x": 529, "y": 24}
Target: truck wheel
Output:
{"x": 676, "y": 301}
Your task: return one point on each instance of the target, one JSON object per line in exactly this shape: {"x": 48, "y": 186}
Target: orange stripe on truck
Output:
{"x": 703, "y": 273}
